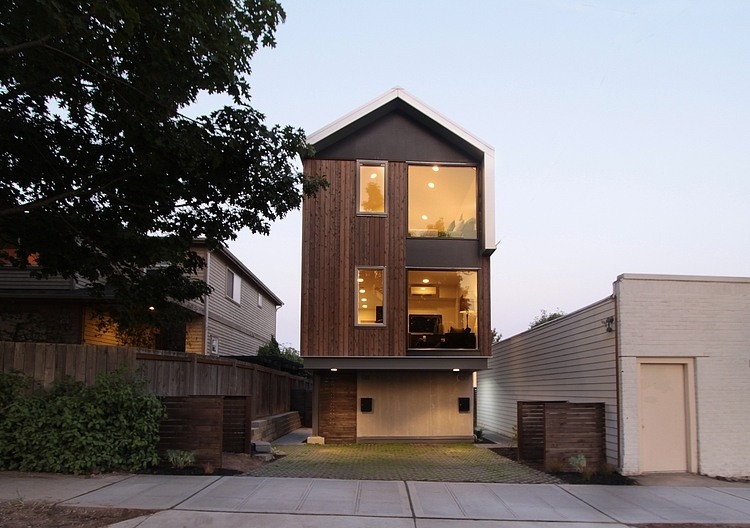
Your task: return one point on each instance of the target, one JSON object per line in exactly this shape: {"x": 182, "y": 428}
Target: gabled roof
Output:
{"x": 398, "y": 98}
{"x": 401, "y": 100}
{"x": 244, "y": 270}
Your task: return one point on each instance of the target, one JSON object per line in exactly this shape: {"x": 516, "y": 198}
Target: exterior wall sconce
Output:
{"x": 609, "y": 323}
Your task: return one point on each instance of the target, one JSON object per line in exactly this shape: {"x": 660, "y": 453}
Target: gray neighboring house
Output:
{"x": 235, "y": 320}
{"x": 668, "y": 355}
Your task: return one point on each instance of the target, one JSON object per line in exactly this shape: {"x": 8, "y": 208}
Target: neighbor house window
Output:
{"x": 370, "y": 295}
{"x": 442, "y": 309}
{"x": 260, "y": 300}
{"x": 442, "y": 201}
{"x": 234, "y": 286}
{"x": 371, "y": 181}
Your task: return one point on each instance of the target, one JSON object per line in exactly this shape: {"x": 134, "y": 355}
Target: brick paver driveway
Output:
{"x": 415, "y": 462}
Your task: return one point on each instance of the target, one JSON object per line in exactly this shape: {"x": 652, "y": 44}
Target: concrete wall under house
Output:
{"x": 415, "y": 405}
{"x": 568, "y": 359}
{"x": 703, "y": 320}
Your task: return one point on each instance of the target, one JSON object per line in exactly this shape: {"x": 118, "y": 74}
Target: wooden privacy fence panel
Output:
{"x": 572, "y": 429}
{"x": 194, "y": 423}
{"x": 530, "y": 429}
{"x": 237, "y": 421}
{"x": 50, "y": 362}
{"x": 167, "y": 373}
{"x": 552, "y": 432}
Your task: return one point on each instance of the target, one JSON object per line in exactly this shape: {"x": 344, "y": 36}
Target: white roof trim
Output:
{"x": 440, "y": 119}
{"x": 399, "y": 93}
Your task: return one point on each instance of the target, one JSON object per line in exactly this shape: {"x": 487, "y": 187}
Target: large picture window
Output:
{"x": 442, "y": 201}
{"x": 442, "y": 309}
{"x": 370, "y": 288}
{"x": 371, "y": 188}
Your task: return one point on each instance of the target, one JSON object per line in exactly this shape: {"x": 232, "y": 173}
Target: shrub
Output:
{"x": 77, "y": 429}
{"x": 179, "y": 459}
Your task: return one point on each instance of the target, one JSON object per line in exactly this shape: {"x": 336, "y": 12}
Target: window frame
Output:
{"x": 383, "y": 323}
{"x": 371, "y": 163}
{"x": 477, "y": 197}
{"x": 233, "y": 286}
{"x": 475, "y": 303}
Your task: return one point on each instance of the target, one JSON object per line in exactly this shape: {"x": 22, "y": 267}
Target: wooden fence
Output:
{"x": 552, "y": 432}
{"x": 168, "y": 373}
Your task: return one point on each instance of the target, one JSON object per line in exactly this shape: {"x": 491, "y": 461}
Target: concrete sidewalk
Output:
{"x": 229, "y": 502}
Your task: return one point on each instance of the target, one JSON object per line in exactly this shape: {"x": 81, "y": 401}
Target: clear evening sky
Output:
{"x": 621, "y": 131}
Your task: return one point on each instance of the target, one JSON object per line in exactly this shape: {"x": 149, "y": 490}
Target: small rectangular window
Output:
{"x": 233, "y": 286}
{"x": 370, "y": 296}
{"x": 260, "y": 300}
{"x": 371, "y": 188}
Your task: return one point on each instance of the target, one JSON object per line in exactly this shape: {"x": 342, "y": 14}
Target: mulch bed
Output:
{"x": 611, "y": 479}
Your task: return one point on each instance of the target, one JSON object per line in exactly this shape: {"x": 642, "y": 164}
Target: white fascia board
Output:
{"x": 488, "y": 152}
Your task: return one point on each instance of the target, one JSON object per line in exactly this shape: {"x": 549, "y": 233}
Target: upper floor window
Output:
{"x": 233, "y": 286}
{"x": 442, "y": 201}
{"x": 371, "y": 182}
{"x": 370, "y": 288}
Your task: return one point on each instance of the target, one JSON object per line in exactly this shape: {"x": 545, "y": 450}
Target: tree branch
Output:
{"x": 57, "y": 197}
{"x": 9, "y": 50}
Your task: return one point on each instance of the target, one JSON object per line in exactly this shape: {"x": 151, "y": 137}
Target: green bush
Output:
{"x": 72, "y": 428}
{"x": 179, "y": 459}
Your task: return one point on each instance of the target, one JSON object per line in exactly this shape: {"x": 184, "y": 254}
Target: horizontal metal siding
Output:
{"x": 569, "y": 359}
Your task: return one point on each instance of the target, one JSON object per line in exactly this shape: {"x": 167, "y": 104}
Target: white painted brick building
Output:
{"x": 674, "y": 373}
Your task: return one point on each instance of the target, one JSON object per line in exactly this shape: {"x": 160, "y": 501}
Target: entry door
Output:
{"x": 664, "y": 417}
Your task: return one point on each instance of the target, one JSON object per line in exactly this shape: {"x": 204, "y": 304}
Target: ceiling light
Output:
{"x": 431, "y": 185}
{"x": 334, "y": 370}
{"x": 456, "y": 370}
{"x": 374, "y": 175}
{"x": 364, "y": 306}
{"x": 435, "y": 168}
{"x": 364, "y": 299}
{"x": 424, "y": 217}
{"x": 151, "y": 308}
{"x": 360, "y": 279}
{"x": 362, "y": 290}
{"x": 426, "y": 281}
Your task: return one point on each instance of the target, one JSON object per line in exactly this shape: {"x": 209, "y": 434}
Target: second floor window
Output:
{"x": 442, "y": 201}
{"x": 371, "y": 188}
{"x": 370, "y": 288}
{"x": 234, "y": 286}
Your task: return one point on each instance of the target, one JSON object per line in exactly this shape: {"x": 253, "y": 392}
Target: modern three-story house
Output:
{"x": 396, "y": 273}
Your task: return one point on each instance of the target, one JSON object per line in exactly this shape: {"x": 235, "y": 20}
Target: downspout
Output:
{"x": 206, "y": 339}
{"x": 617, "y": 383}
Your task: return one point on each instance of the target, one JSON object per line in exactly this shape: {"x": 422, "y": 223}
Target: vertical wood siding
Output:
{"x": 569, "y": 359}
{"x": 334, "y": 241}
{"x": 337, "y": 407}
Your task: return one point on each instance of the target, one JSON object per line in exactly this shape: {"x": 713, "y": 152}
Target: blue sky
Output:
{"x": 621, "y": 131}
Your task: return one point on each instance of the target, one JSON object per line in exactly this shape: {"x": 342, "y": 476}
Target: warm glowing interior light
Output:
{"x": 426, "y": 281}
{"x": 364, "y": 306}
{"x": 362, "y": 290}
{"x": 456, "y": 370}
{"x": 334, "y": 370}
{"x": 364, "y": 299}
{"x": 431, "y": 185}
{"x": 424, "y": 217}
{"x": 360, "y": 279}
{"x": 151, "y": 308}
{"x": 374, "y": 175}
{"x": 435, "y": 168}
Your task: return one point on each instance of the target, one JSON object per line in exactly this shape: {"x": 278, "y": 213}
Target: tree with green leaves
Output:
{"x": 545, "y": 317}
{"x": 101, "y": 175}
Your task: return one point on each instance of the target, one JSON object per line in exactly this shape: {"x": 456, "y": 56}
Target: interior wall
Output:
{"x": 415, "y": 405}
